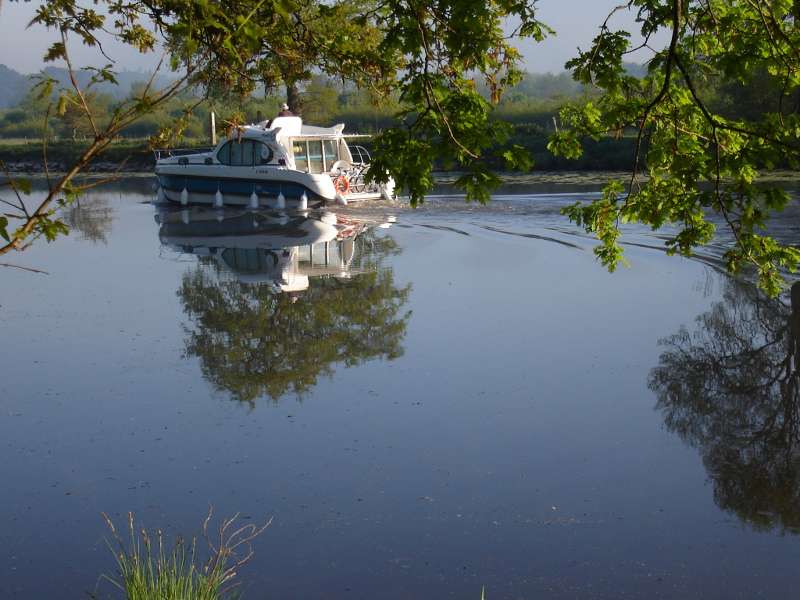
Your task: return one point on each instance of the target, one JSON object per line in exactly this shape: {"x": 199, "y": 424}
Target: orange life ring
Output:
{"x": 341, "y": 184}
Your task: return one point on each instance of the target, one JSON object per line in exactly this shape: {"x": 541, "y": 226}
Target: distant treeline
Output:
{"x": 535, "y": 100}
{"x": 532, "y": 108}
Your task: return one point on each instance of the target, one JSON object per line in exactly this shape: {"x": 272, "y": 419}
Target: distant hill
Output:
{"x": 124, "y": 78}
{"x": 635, "y": 70}
{"x": 14, "y": 85}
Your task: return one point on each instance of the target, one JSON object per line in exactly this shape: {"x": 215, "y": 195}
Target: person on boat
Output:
{"x": 285, "y": 112}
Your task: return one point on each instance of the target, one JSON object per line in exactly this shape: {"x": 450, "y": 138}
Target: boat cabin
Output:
{"x": 286, "y": 141}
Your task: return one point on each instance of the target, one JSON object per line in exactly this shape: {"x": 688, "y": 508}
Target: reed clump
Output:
{"x": 150, "y": 569}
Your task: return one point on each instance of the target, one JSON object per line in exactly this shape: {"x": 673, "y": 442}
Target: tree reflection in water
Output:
{"x": 730, "y": 389}
{"x": 92, "y": 217}
{"x": 252, "y": 340}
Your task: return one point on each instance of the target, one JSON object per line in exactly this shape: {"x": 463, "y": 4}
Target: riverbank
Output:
{"x": 127, "y": 156}
{"x": 603, "y": 160}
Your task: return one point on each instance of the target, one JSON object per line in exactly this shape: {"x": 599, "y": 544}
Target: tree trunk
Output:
{"x": 293, "y": 98}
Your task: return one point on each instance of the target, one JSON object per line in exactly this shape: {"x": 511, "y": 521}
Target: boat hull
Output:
{"x": 187, "y": 185}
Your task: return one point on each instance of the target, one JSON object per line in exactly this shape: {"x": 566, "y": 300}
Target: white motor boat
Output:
{"x": 279, "y": 164}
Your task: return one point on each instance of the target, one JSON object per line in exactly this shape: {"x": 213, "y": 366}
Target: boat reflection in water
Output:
{"x": 730, "y": 389}
{"x": 269, "y": 247}
{"x": 276, "y": 299}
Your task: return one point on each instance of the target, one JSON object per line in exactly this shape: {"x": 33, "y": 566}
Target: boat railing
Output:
{"x": 363, "y": 155}
{"x": 167, "y": 152}
{"x": 357, "y": 180}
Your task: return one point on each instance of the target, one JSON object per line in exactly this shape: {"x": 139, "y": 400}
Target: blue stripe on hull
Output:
{"x": 240, "y": 187}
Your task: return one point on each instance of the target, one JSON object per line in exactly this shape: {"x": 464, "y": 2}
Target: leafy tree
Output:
{"x": 731, "y": 388}
{"x": 340, "y": 38}
{"x": 446, "y": 46}
{"x": 698, "y": 160}
{"x": 320, "y": 100}
{"x": 252, "y": 341}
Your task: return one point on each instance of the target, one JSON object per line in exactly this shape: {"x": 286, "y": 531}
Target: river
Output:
{"x": 431, "y": 403}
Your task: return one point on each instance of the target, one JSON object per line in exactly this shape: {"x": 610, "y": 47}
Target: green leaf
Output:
{"x": 23, "y": 185}
{"x": 61, "y": 107}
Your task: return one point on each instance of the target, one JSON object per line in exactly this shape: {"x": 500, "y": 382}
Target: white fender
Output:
{"x": 254, "y": 200}
{"x": 281, "y": 201}
{"x": 303, "y": 202}
{"x": 184, "y": 196}
{"x": 388, "y": 190}
{"x": 218, "y": 199}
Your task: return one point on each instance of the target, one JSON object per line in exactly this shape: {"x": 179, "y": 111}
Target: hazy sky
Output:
{"x": 576, "y": 22}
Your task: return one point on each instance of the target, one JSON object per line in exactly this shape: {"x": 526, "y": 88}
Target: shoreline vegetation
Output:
{"x": 130, "y": 156}
{"x": 531, "y": 108}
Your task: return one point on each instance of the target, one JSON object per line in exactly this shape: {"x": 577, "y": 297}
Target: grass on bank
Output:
{"x": 149, "y": 569}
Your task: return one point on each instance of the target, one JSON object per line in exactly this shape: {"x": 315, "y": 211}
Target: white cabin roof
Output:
{"x": 294, "y": 127}
{"x": 314, "y": 131}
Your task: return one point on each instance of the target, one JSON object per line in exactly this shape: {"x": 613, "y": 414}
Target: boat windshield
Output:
{"x": 315, "y": 156}
{"x": 300, "y": 151}
{"x": 315, "y": 162}
{"x": 330, "y": 153}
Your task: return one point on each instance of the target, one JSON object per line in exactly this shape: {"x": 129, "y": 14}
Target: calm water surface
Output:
{"x": 432, "y": 402}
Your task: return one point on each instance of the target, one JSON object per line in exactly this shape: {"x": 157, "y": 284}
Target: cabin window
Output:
{"x": 315, "y": 163}
{"x": 246, "y": 153}
{"x": 330, "y": 150}
{"x": 263, "y": 154}
{"x": 300, "y": 155}
{"x": 314, "y": 156}
{"x": 224, "y": 154}
{"x": 239, "y": 154}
